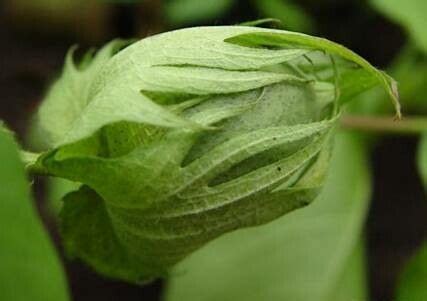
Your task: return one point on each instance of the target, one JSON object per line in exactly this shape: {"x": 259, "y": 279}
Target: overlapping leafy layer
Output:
{"x": 300, "y": 257}
{"x": 190, "y": 134}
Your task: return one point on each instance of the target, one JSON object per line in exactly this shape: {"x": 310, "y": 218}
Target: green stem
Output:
{"x": 386, "y": 125}
{"x": 31, "y": 165}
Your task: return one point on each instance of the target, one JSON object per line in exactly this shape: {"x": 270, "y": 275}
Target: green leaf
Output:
{"x": 292, "y": 16}
{"x": 422, "y": 159}
{"x": 182, "y": 12}
{"x": 410, "y": 14}
{"x": 301, "y": 256}
{"x": 412, "y": 283}
{"x": 30, "y": 268}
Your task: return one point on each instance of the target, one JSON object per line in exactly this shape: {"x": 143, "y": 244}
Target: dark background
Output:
{"x": 31, "y": 55}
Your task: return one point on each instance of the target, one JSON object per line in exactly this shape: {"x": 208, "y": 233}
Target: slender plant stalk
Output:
{"x": 385, "y": 125}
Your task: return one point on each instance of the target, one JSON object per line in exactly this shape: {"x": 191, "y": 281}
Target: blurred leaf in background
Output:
{"x": 410, "y": 68}
{"x": 422, "y": 160}
{"x": 300, "y": 257}
{"x": 292, "y": 16}
{"x": 185, "y": 12}
{"x": 413, "y": 282}
{"x": 409, "y": 13}
{"x": 30, "y": 268}
{"x": 352, "y": 285}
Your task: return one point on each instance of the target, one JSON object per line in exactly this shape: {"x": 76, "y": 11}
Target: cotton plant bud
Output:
{"x": 184, "y": 136}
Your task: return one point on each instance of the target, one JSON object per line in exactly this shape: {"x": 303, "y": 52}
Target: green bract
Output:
{"x": 189, "y": 134}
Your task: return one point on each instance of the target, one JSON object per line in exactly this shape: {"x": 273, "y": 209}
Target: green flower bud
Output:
{"x": 184, "y": 136}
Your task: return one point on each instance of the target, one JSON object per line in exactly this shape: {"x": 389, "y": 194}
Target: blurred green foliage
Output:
{"x": 413, "y": 281}
{"x": 292, "y": 16}
{"x": 184, "y": 12}
{"x": 30, "y": 268}
{"x": 422, "y": 158}
{"x": 410, "y": 68}
{"x": 409, "y": 13}
{"x": 353, "y": 281}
